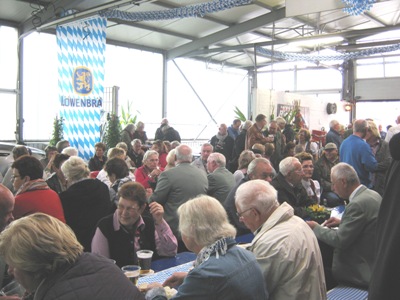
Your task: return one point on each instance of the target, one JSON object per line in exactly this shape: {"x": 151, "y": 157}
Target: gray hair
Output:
{"x": 122, "y": 145}
{"x": 130, "y": 127}
{"x": 287, "y": 165}
{"x": 175, "y": 144}
{"x": 345, "y": 171}
{"x": 333, "y": 123}
{"x": 136, "y": 141}
{"x": 71, "y": 151}
{"x": 247, "y": 124}
{"x": 183, "y": 153}
{"x": 219, "y": 159}
{"x": 280, "y": 121}
{"x": 74, "y": 169}
{"x": 149, "y": 153}
{"x": 207, "y": 145}
{"x": 245, "y": 158}
{"x": 257, "y": 193}
{"x": 360, "y": 126}
{"x": 255, "y": 162}
{"x": 198, "y": 215}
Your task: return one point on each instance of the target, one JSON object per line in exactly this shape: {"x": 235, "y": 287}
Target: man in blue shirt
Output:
{"x": 357, "y": 153}
{"x": 233, "y": 130}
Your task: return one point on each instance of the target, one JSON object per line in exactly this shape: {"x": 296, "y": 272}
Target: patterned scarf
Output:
{"x": 33, "y": 185}
{"x": 219, "y": 247}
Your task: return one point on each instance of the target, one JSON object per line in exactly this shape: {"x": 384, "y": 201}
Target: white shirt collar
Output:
{"x": 354, "y": 192}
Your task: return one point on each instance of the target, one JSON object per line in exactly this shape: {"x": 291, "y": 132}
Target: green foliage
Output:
{"x": 112, "y": 133}
{"x": 239, "y": 114}
{"x": 126, "y": 116}
{"x": 58, "y": 131}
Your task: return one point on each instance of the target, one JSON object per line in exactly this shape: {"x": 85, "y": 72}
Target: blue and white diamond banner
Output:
{"x": 81, "y": 49}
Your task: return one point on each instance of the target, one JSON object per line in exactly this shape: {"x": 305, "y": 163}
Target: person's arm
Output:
{"x": 212, "y": 185}
{"x": 100, "y": 244}
{"x": 368, "y": 159}
{"x": 166, "y": 243}
{"x": 351, "y": 225}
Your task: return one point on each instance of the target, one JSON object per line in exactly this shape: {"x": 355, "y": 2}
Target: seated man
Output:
{"x": 322, "y": 173}
{"x": 259, "y": 168}
{"x": 355, "y": 239}
{"x": 220, "y": 180}
{"x": 201, "y": 162}
{"x": 97, "y": 162}
{"x": 288, "y": 185}
{"x": 133, "y": 227}
{"x": 284, "y": 246}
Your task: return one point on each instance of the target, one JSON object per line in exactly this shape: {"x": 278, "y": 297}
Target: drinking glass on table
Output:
{"x": 132, "y": 272}
{"x": 144, "y": 260}
{"x": 12, "y": 289}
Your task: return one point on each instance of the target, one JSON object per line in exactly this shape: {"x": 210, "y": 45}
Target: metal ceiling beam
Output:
{"x": 153, "y": 29}
{"x": 210, "y": 18}
{"x": 349, "y": 34}
{"x": 227, "y": 33}
{"x": 134, "y": 46}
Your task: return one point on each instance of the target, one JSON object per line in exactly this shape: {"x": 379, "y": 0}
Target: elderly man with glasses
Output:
{"x": 259, "y": 168}
{"x": 289, "y": 187}
{"x": 284, "y": 246}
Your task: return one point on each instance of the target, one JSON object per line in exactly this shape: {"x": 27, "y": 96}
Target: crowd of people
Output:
{"x": 62, "y": 215}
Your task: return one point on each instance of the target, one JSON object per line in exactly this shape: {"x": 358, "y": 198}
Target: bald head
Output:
{"x": 183, "y": 154}
{"x": 6, "y": 207}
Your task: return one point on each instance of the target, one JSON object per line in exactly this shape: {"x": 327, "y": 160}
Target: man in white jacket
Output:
{"x": 284, "y": 245}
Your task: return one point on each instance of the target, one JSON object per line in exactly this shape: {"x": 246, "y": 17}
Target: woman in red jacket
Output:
{"x": 32, "y": 192}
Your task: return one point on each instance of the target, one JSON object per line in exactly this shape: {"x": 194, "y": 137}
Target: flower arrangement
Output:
{"x": 318, "y": 213}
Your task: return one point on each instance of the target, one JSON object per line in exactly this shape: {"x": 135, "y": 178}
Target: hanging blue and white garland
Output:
{"x": 190, "y": 11}
{"x": 313, "y": 58}
{"x": 357, "y": 7}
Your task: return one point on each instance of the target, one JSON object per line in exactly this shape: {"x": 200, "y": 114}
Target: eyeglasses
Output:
{"x": 15, "y": 176}
{"x": 299, "y": 171}
{"x": 240, "y": 215}
{"x": 129, "y": 209}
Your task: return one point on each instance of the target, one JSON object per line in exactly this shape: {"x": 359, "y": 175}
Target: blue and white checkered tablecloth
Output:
{"x": 347, "y": 293}
{"x": 161, "y": 276}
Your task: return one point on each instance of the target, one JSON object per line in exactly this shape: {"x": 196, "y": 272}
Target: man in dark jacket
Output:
{"x": 289, "y": 187}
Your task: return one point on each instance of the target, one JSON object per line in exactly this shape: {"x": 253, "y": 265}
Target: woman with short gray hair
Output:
{"x": 232, "y": 270}
{"x": 85, "y": 201}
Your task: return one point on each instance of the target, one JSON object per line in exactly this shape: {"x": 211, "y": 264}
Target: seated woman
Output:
{"x": 312, "y": 187}
{"x": 57, "y": 181}
{"x": 307, "y": 144}
{"x": 222, "y": 270}
{"x": 97, "y": 162}
{"x": 111, "y": 153}
{"x": 45, "y": 257}
{"x": 137, "y": 153}
{"x": 140, "y": 133}
{"x": 162, "y": 150}
{"x": 245, "y": 158}
{"x": 132, "y": 227}
{"x": 85, "y": 201}
{"x": 118, "y": 174}
{"x": 33, "y": 194}
{"x": 47, "y": 162}
{"x": 17, "y": 151}
{"x": 148, "y": 173}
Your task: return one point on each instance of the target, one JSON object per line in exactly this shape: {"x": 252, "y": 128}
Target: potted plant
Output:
{"x": 58, "y": 131}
